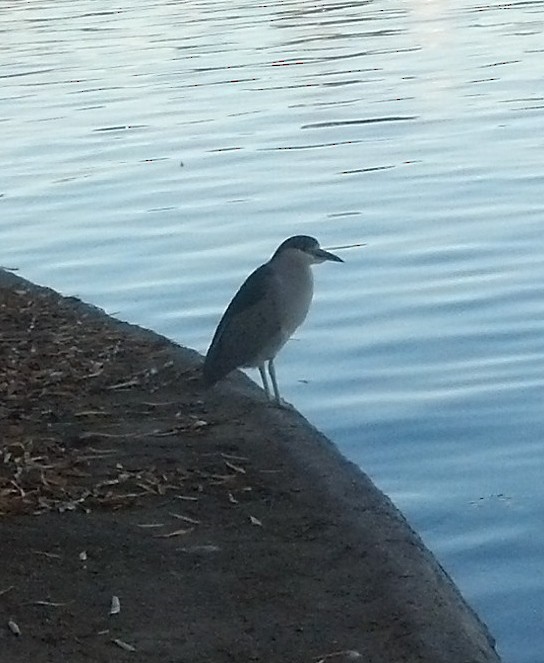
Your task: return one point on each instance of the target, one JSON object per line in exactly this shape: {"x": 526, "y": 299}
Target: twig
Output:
{"x": 178, "y": 532}
{"x": 187, "y": 519}
{"x": 52, "y": 604}
{"x": 47, "y": 554}
{"x": 123, "y": 645}
{"x": 123, "y": 385}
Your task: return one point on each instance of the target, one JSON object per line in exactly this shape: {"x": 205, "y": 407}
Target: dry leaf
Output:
{"x": 51, "y": 604}
{"x": 234, "y": 467}
{"x": 177, "y": 532}
{"x": 123, "y": 385}
{"x": 13, "y": 627}
{"x": 115, "y": 608}
{"x": 47, "y": 554}
{"x": 123, "y": 645}
{"x": 187, "y": 519}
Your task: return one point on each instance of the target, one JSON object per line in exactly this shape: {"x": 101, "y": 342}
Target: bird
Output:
{"x": 269, "y": 306}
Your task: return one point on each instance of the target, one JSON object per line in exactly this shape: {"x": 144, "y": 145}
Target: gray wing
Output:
{"x": 249, "y": 324}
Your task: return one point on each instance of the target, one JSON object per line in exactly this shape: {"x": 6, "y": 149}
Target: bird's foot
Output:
{"x": 281, "y": 404}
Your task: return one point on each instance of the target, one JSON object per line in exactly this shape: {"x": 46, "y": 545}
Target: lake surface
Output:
{"x": 155, "y": 153}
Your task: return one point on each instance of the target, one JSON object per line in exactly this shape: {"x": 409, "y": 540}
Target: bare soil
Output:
{"x": 214, "y": 526}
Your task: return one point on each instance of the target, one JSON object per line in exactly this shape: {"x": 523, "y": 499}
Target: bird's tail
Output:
{"x": 212, "y": 369}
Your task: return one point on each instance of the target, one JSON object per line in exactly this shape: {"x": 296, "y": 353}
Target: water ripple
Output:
{"x": 368, "y": 120}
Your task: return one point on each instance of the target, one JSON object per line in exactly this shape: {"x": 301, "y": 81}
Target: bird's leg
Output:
{"x": 272, "y": 371}
{"x": 265, "y": 380}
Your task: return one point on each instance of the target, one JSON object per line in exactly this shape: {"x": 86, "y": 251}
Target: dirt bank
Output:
{"x": 226, "y": 529}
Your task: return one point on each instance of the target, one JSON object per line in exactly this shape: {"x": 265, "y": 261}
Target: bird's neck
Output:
{"x": 295, "y": 269}
{"x": 296, "y": 289}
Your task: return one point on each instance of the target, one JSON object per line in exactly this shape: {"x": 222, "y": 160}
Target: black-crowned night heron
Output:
{"x": 271, "y": 303}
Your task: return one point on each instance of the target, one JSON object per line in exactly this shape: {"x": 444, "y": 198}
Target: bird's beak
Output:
{"x": 322, "y": 255}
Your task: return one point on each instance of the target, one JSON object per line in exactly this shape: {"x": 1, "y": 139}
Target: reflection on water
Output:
{"x": 157, "y": 152}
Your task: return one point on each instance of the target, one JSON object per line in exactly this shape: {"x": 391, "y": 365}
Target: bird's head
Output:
{"x": 306, "y": 248}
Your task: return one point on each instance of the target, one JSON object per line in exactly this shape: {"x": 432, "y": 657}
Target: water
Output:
{"x": 156, "y": 152}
